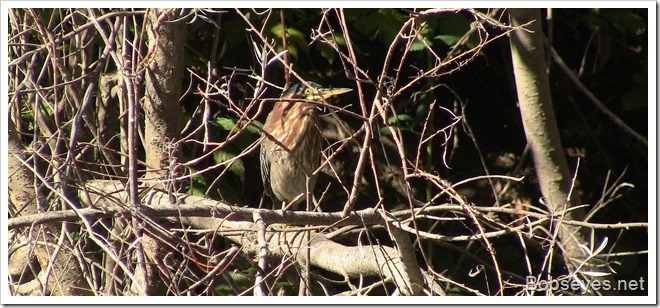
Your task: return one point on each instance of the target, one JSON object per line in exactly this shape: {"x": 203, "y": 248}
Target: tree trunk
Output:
{"x": 65, "y": 276}
{"x": 536, "y": 109}
{"x": 163, "y": 78}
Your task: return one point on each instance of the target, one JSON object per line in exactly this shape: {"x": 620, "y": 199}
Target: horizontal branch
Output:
{"x": 405, "y": 214}
{"x": 347, "y": 261}
{"x": 157, "y": 204}
{"x": 193, "y": 206}
{"x": 109, "y": 198}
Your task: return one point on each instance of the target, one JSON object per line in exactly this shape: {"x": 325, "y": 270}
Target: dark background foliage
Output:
{"x": 607, "y": 47}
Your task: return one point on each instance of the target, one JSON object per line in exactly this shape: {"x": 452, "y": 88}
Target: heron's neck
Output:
{"x": 291, "y": 110}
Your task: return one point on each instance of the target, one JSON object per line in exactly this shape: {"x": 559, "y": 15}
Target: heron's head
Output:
{"x": 313, "y": 92}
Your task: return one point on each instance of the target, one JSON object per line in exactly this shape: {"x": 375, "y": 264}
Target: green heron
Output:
{"x": 291, "y": 147}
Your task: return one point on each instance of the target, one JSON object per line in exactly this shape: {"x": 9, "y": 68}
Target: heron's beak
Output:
{"x": 327, "y": 92}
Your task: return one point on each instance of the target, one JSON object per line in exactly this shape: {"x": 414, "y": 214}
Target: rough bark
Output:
{"x": 163, "y": 77}
{"x": 163, "y": 89}
{"x": 65, "y": 276}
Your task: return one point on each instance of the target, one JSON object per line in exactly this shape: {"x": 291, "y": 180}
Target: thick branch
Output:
{"x": 104, "y": 197}
{"x": 193, "y": 206}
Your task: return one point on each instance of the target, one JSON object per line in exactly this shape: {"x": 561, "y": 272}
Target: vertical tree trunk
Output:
{"x": 531, "y": 76}
{"x": 163, "y": 89}
{"x": 65, "y": 276}
{"x": 164, "y": 74}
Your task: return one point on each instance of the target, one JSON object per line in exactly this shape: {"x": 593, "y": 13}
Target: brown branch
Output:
{"x": 287, "y": 78}
{"x": 573, "y": 77}
{"x": 109, "y": 196}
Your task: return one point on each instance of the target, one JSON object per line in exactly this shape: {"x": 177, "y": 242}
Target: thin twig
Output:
{"x": 613, "y": 117}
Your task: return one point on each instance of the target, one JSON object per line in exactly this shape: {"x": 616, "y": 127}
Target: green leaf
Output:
{"x": 418, "y": 45}
{"x": 225, "y": 123}
{"x": 455, "y": 291}
{"x": 247, "y": 134}
{"x": 198, "y": 186}
{"x": 385, "y": 22}
{"x": 241, "y": 279}
{"x": 223, "y": 290}
{"x": 448, "y": 39}
{"x": 451, "y": 29}
{"x": 326, "y": 52}
{"x": 236, "y": 167}
{"x": 403, "y": 122}
{"x": 294, "y": 34}
{"x": 384, "y": 131}
{"x": 296, "y": 39}
{"x": 253, "y": 128}
{"x": 229, "y": 188}
{"x": 422, "y": 110}
{"x": 400, "y": 118}
{"x": 289, "y": 289}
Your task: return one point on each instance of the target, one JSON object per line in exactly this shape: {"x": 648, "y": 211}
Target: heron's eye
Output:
{"x": 308, "y": 92}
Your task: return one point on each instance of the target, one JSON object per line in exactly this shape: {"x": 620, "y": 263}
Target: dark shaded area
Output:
{"x": 608, "y": 49}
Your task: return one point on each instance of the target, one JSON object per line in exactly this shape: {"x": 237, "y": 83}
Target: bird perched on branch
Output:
{"x": 291, "y": 145}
